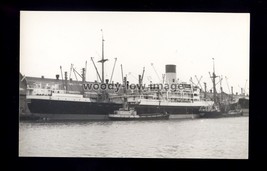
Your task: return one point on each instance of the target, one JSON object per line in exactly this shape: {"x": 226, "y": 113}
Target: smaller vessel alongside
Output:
{"x": 212, "y": 111}
{"x": 219, "y": 108}
{"x": 215, "y": 112}
{"x": 129, "y": 113}
{"x": 124, "y": 114}
{"x": 235, "y": 112}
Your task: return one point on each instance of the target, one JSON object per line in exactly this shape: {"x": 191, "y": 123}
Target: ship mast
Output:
{"x": 213, "y": 82}
{"x": 103, "y": 60}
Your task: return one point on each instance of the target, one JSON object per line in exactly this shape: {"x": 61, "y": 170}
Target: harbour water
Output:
{"x": 225, "y": 138}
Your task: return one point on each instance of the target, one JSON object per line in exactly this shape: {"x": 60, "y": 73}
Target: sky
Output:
{"x": 52, "y": 39}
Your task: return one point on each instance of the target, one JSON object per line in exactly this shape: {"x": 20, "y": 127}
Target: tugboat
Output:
{"x": 129, "y": 113}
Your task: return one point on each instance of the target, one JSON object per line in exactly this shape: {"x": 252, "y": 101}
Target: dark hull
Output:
{"x": 244, "y": 103}
{"x": 74, "y": 110}
{"x": 175, "y": 110}
{"x": 71, "y": 107}
{"x": 214, "y": 114}
{"x": 142, "y": 117}
{"x": 219, "y": 114}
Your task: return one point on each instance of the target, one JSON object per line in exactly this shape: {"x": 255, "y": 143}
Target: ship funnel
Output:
{"x": 170, "y": 74}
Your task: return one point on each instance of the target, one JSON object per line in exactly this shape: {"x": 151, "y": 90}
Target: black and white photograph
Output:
{"x": 109, "y": 84}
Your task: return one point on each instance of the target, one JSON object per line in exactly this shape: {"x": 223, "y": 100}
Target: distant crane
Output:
{"x": 191, "y": 80}
{"x": 198, "y": 82}
{"x": 227, "y": 84}
{"x": 122, "y": 73}
{"x": 23, "y": 78}
{"x": 96, "y": 69}
{"x": 220, "y": 81}
{"x": 143, "y": 75}
{"x": 113, "y": 70}
{"x": 132, "y": 75}
{"x": 221, "y": 78}
{"x": 149, "y": 78}
{"x": 61, "y": 75}
{"x": 155, "y": 71}
{"x": 163, "y": 78}
{"x": 205, "y": 90}
{"x": 243, "y": 90}
{"x": 77, "y": 72}
{"x": 216, "y": 76}
{"x": 140, "y": 80}
{"x": 85, "y": 70}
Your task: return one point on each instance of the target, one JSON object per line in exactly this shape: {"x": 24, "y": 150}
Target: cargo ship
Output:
{"x": 66, "y": 99}
{"x": 76, "y": 107}
{"x": 51, "y": 103}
